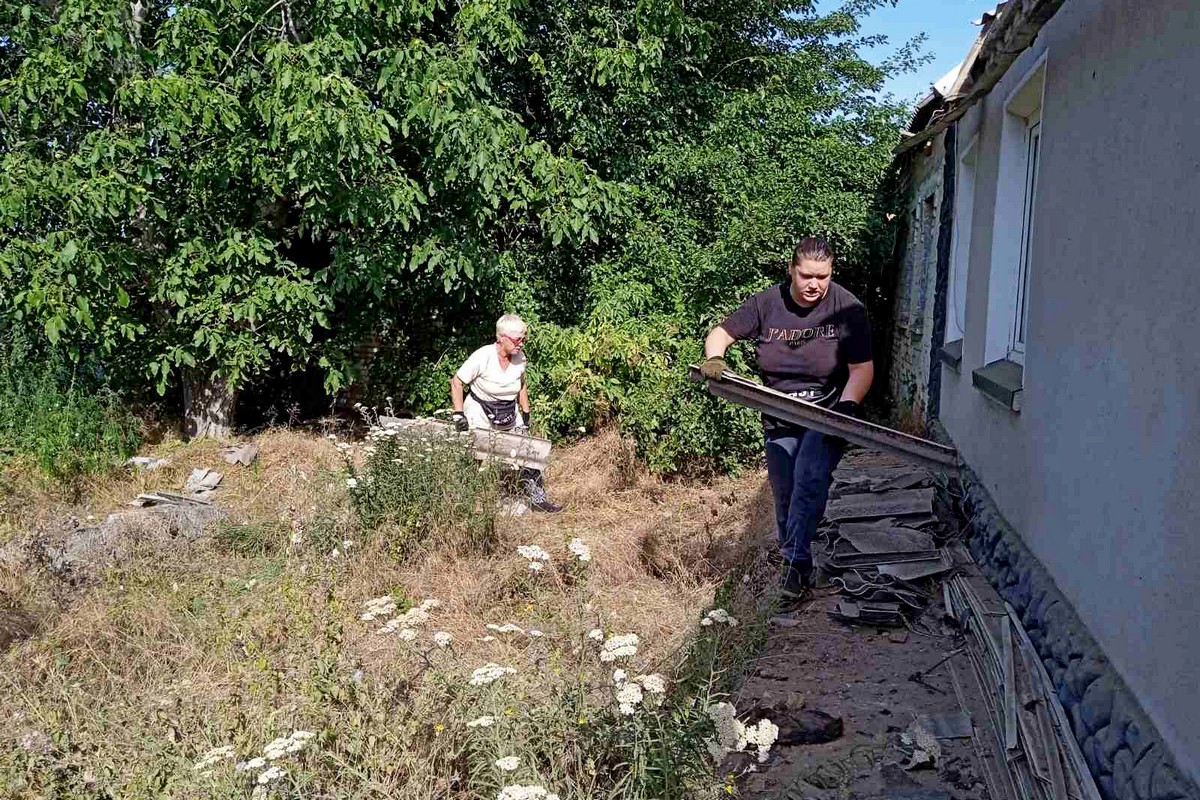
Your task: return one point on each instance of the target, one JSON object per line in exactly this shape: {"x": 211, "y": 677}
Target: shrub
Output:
{"x": 413, "y": 488}
{"x": 58, "y": 416}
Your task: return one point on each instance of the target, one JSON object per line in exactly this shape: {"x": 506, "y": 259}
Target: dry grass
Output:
{"x": 178, "y": 651}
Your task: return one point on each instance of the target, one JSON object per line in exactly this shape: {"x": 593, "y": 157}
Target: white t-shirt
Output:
{"x": 487, "y": 379}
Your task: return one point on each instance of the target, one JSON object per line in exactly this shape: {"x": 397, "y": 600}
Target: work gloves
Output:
{"x": 523, "y": 423}
{"x": 847, "y": 407}
{"x": 712, "y": 368}
{"x": 460, "y": 421}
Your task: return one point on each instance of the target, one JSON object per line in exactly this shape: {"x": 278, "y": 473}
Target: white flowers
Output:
{"x": 271, "y": 774}
{"x": 623, "y": 646}
{"x": 596, "y": 635}
{"x": 412, "y": 618}
{"x": 351, "y": 483}
{"x": 508, "y": 763}
{"x": 254, "y": 763}
{"x": 442, "y": 639}
{"x": 733, "y": 736}
{"x": 629, "y": 697}
{"x": 288, "y": 744}
{"x": 631, "y": 693}
{"x": 507, "y": 627}
{"x": 489, "y": 673}
{"x": 379, "y": 607}
{"x": 213, "y": 756}
{"x": 762, "y": 736}
{"x": 653, "y": 683}
{"x": 482, "y": 722}
{"x": 536, "y": 555}
{"x": 580, "y": 550}
{"x": 407, "y": 634}
{"x": 530, "y": 792}
{"x": 719, "y": 615}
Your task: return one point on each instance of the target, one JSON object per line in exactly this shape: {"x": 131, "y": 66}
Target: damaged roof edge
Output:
{"x": 1007, "y": 36}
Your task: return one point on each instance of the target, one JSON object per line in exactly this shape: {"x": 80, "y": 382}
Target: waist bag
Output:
{"x": 501, "y": 413}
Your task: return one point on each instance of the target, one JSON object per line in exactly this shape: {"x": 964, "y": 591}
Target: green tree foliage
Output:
{"x": 224, "y": 186}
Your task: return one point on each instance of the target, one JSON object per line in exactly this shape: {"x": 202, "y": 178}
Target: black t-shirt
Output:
{"x": 804, "y": 348}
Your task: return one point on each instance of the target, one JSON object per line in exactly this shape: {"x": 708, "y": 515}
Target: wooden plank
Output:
{"x": 871, "y": 505}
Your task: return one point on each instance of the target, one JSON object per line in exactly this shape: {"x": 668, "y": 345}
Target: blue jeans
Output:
{"x": 800, "y": 464}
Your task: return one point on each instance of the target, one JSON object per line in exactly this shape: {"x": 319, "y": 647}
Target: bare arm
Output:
{"x": 523, "y": 400}
{"x": 717, "y": 342}
{"x": 861, "y": 377}
{"x": 456, "y": 394}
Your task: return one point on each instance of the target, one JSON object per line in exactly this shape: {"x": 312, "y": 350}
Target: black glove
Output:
{"x": 712, "y": 368}
{"x": 847, "y": 407}
{"x": 460, "y": 421}
{"x": 524, "y": 422}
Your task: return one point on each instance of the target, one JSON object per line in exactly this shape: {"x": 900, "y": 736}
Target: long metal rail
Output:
{"x": 778, "y": 405}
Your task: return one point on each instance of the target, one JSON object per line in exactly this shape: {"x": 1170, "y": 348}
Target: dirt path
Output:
{"x": 819, "y": 678}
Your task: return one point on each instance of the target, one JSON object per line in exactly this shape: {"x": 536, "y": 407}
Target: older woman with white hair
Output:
{"x": 488, "y": 392}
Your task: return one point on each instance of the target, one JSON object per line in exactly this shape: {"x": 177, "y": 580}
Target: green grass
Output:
{"x": 54, "y": 416}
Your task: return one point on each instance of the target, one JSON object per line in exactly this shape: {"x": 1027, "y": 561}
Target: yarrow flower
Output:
{"x": 442, "y": 639}
{"x": 351, "y": 483}
{"x": 653, "y": 683}
{"x": 530, "y": 792}
{"x": 719, "y": 615}
{"x": 733, "y": 736}
{"x": 762, "y": 736}
{"x": 596, "y": 635}
{"x": 629, "y": 696}
{"x": 508, "y": 763}
{"x": 213, "y": 756}
{"x": 482, "y": 722}
{"x": 288, "y": 744}
{"x": 536, "y": 555}
{"x": 379, "y": 607}
{"x": 619, "y": 676}
{"x": 623, "y": 646}
{"x": 415, "y": 616}
{"x": 407, "y": 634}
{"x": 580, "y": 550}
{"x": 490, "y": 673}
{"x": 271, "y": 774}
{"x": 254, "y": 763}
{"x": 507, "y": 627}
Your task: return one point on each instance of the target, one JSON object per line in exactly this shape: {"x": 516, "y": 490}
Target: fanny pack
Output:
{"x": 501, "y": 413}
{"x": 817, "y": 396}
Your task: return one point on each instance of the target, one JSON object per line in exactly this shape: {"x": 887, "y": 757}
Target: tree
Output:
{"x": 199, "y": 191}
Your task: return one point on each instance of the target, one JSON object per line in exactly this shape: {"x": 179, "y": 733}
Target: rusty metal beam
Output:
{"x": 736, "y": 389}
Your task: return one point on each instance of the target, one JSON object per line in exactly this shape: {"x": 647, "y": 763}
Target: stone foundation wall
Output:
{"x": 1127, "y": 757}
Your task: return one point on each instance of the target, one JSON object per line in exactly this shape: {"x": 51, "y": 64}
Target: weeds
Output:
{"x": 68, "y": 426}
{"x": 412, "y": 490}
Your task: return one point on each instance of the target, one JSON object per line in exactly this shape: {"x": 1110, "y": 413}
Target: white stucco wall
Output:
{"x": 1100, "y": 470}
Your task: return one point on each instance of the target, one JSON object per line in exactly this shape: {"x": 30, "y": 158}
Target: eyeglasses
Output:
{"x": 518, "y": 340}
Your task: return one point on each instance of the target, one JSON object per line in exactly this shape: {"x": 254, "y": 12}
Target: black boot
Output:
{"x": 795, "y": 579}
{"x": 536, "y": 489}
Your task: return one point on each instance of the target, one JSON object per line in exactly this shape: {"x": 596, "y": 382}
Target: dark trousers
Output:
{"x": 800, "y": 464}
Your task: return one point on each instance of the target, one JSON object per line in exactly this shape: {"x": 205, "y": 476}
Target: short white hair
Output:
{"x": 510, "y": 324}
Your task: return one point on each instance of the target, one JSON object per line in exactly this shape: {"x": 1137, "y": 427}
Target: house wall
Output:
{"x": 1099, "y": 471}
{"x": 908, "y": 378}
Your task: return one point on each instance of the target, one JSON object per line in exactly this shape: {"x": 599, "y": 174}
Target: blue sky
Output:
{"x": 947, "y": 24}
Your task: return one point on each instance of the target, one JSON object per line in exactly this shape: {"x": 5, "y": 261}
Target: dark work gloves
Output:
{"x": 460, "y": 421}
{"x": 847, "y": 407}
{"x": 712, "y": 368}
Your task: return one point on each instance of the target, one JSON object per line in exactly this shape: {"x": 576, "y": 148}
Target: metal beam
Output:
{"x": 736, "y": 389}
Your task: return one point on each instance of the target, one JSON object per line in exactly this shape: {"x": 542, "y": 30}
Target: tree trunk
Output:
{"x": 208, "y": 405}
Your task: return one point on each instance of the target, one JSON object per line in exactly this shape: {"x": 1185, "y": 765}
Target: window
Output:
{"x": 1012, "y": 266}
{"x": 964, "y": 207}
{"x": 1033, "y": 144}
